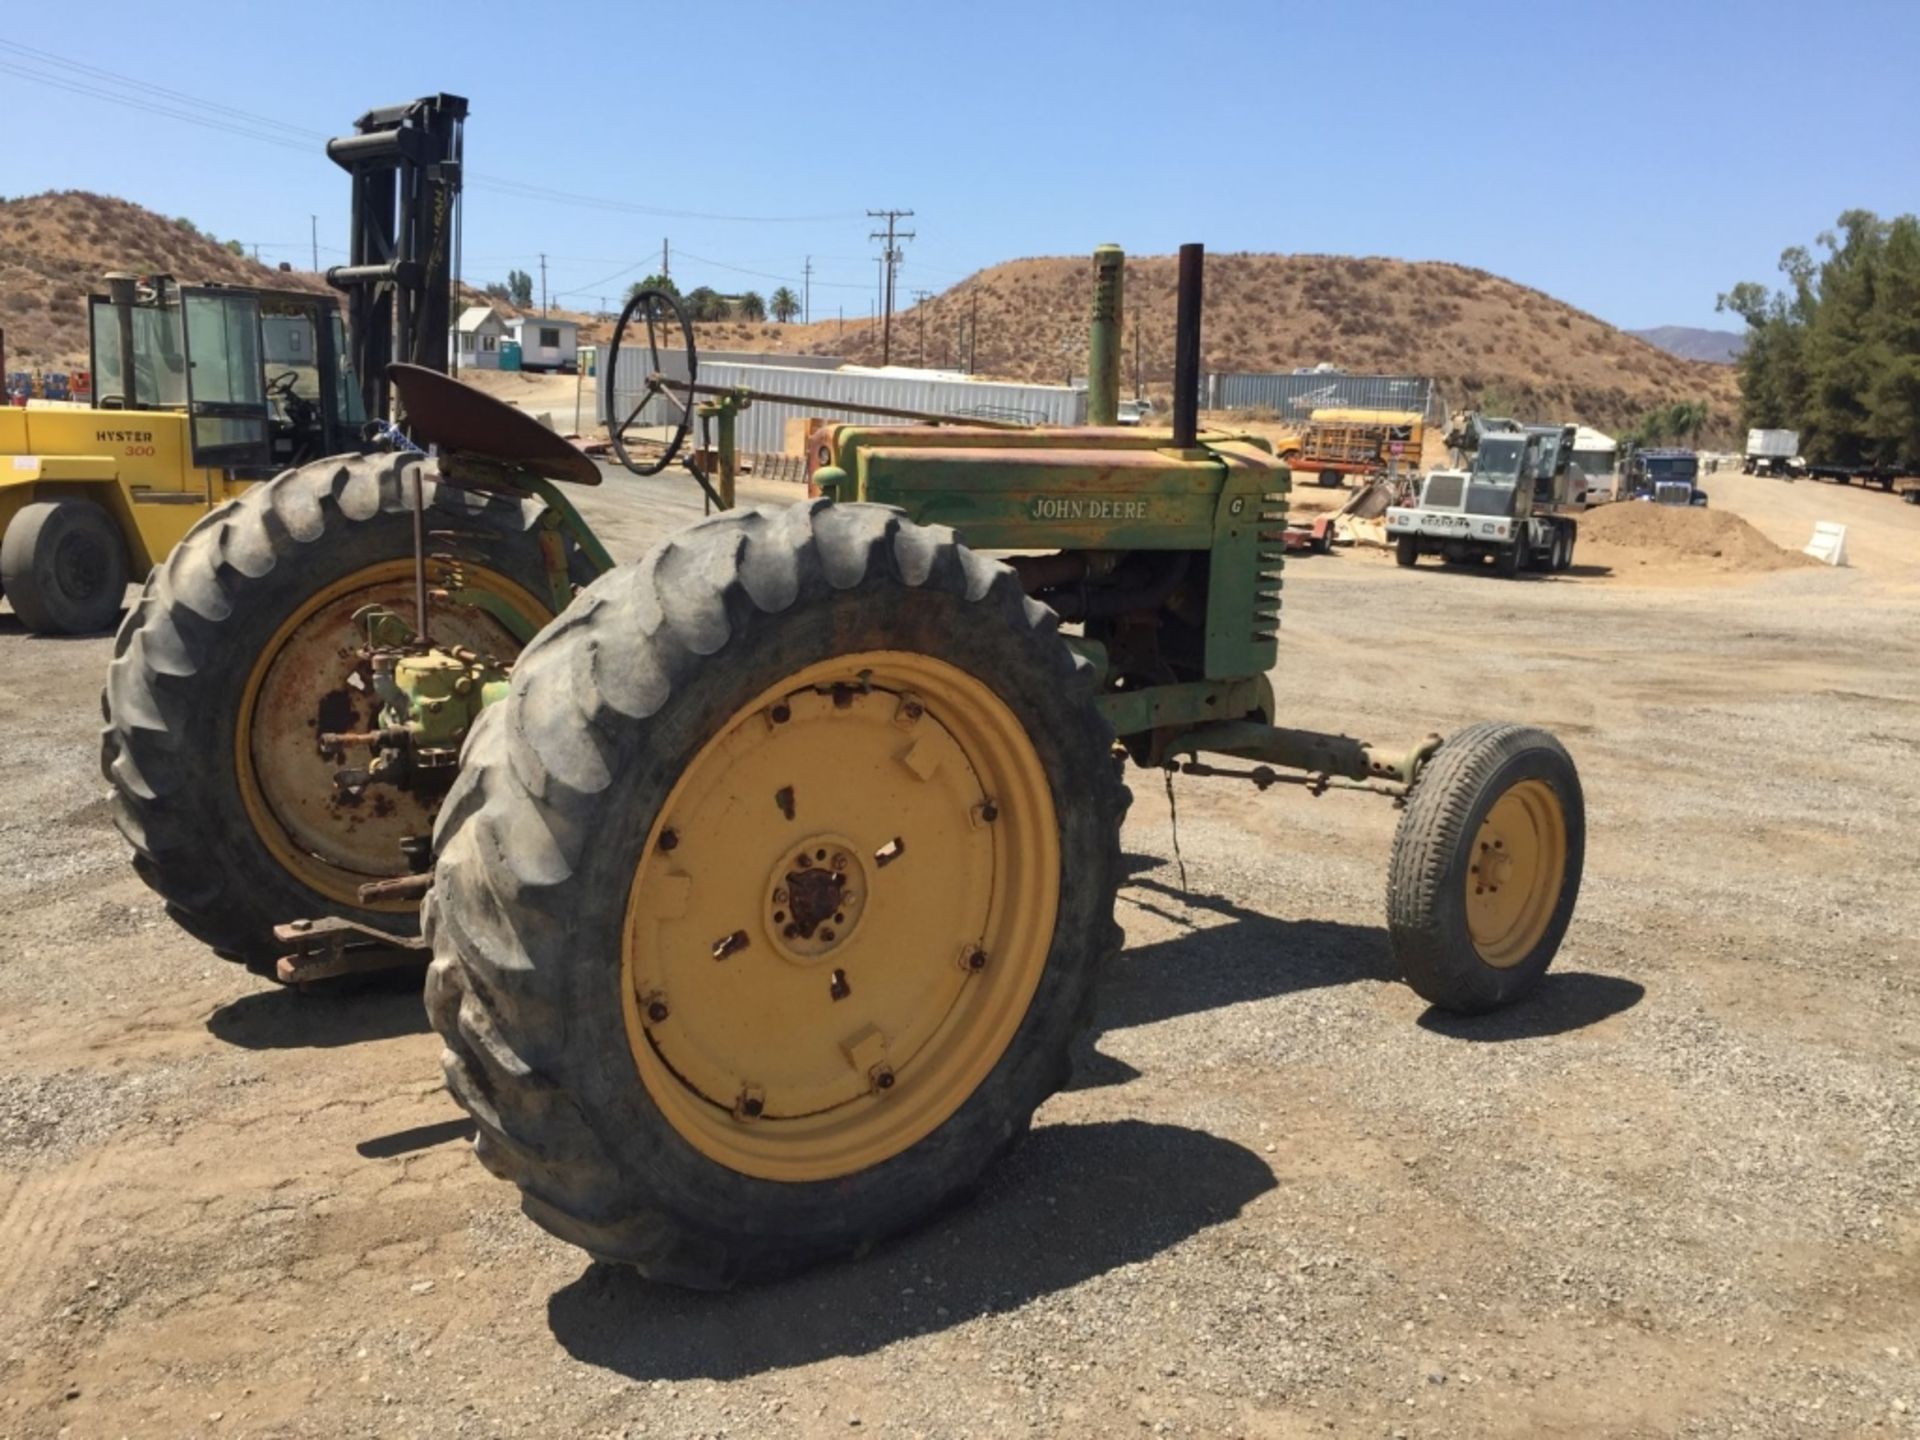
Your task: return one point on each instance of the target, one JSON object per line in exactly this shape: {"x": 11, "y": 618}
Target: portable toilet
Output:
{"x": 509, "y": 354}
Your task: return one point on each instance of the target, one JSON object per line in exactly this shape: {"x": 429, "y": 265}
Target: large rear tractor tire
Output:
{"x": 63, "y": 564}
{"x": 238, "y": 655}
{"x": 1486, "y": 867}
{"x": 769, "y": 901}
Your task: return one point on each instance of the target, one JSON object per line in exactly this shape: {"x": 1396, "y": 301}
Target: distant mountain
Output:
{"x": 1721, "y": 347}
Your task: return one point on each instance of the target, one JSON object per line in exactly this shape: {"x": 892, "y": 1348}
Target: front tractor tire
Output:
{"x": 63, "y": 564}
{"x": 238, "y": 655}
{"x": 769, "y": 902}
{"x": 1486, "y": 867}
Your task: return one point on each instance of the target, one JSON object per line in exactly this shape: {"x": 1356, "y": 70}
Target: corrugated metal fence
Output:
{"x": 761, "y": 428}
{"x": 1294, "y": 397}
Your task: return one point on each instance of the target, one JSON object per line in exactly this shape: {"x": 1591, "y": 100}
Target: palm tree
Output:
{"x": 751, "y": 306}
{"x": 786, "y": 305}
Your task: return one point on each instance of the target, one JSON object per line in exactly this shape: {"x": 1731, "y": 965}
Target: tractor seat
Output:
{"x": 461, "y": 419}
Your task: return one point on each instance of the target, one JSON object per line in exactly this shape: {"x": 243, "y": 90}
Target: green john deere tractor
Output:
{"x": 765, "y": 881}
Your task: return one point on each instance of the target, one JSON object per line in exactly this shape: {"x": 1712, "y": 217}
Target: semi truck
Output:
{"x": 1515, "y": 506}
{"x": 1666, "y": 477}
{"x": 1773, "y": 452}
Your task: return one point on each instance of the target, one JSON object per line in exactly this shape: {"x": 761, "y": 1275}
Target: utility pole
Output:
{"x": 543, "y": 284}
{"x": 666, "y": 269}
{"x": 806, "y": 310}
{"x": 920, "y": 298}
{"x": 973, "y": 336}
{"x": 316, "y": 243}
{"x": 890, "y": 261}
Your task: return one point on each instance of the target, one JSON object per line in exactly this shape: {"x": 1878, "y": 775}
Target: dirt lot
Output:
{"x": 1672, "y": 1194}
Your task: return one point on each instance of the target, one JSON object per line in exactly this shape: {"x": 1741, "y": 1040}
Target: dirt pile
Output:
{"x": 1694, "y": 537}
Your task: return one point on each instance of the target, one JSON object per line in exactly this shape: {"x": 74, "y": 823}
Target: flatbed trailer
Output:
{"x": 1901, "y": 480}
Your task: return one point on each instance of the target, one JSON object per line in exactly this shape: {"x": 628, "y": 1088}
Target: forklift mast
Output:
{"x": 406, "y": 169}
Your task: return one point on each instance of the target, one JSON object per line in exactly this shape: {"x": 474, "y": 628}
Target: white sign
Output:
{"x": 1829, "y": 543}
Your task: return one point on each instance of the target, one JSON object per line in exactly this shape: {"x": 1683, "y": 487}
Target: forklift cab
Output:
{"x": 263, "y": 375}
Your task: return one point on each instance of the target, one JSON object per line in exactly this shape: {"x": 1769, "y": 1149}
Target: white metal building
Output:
{"x": 762, "y": 427}
{"x": 546, "y": 343}
{"x": 476, "y": 338}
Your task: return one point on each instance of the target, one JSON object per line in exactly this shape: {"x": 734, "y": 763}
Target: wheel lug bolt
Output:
{"x": 839, "y": 862}
{"x": 883, "y": 1077}
{"x": 657, "y": 1011}
{"x": 780, "y": 896}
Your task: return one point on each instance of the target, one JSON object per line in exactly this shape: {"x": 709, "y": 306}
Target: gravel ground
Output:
{"x": 1672, "y": 1194}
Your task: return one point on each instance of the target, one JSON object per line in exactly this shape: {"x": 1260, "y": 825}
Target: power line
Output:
{"x": 245, "y": 123}
{"x": 46, "y": 57}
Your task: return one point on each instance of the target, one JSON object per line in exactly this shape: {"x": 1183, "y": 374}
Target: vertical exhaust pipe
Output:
{"x": 123, "y": 290}
{"x": 1103, "y": 336}
{"x": 1186, "y": 348}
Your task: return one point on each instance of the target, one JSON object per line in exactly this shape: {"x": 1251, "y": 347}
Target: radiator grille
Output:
{"x": 1443, "y": 492}
{"x": 1273, "y": 555}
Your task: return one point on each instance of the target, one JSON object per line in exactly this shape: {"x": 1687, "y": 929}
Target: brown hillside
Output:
{"x": 1487, "y": 340}
{"x": 55, "y": 247}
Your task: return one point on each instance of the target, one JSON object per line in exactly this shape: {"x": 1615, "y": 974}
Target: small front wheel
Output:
{"x": 1486, "y": 867}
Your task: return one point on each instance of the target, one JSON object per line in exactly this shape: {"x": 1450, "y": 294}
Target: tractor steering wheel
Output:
{"x": 283, "y": 383}
{"x": 659, "y": 311}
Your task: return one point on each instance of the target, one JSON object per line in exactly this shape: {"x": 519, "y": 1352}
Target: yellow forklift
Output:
{"x": 199, "y": 391}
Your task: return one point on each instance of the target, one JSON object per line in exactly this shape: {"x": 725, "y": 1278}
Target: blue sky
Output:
{"x": 1632, "y": 158}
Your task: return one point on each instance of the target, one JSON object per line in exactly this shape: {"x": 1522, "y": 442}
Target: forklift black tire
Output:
{"x": 64, "y": 567}
{"x": 1486, "y": 867}
{"x": 1330, "y": 479}
{"x": 193, "y": 644}
{"x": 1406, "y": 551}
{"x": 579, "y": 1040}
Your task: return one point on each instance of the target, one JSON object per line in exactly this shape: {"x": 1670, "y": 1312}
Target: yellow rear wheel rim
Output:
{"x": 1516, "y": 872}
{"x": 841, "y": 916}
{"x": 301, "y": 685}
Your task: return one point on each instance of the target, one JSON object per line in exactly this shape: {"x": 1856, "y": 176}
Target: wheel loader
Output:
{"x": 766, "y": 881}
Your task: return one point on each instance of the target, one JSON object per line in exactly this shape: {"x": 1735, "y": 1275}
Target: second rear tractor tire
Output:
{"x": 63, "y": 564}
{"x": 769, "y": 902}
{"x": 237, "y": 656}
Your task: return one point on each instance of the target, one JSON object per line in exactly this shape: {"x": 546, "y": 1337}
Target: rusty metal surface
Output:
{"x": 457, "y": 417}
{"x": 318, "y": 689}
{"x": 329, "y": 947}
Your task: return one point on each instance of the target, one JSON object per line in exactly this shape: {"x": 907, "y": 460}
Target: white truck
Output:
{"x": 1515, "y": 506}
{"x": 1773, "y": 452}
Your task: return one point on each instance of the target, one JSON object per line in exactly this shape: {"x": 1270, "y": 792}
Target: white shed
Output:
{"x": 546, "y": 343}
{"x": 476, "y": 338}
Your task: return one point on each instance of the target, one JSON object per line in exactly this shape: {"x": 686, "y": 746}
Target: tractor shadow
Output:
{"x": 384, "y": 1005}
{"x": 1258, "y": 957}
{"x": 1073, "y": 1202}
